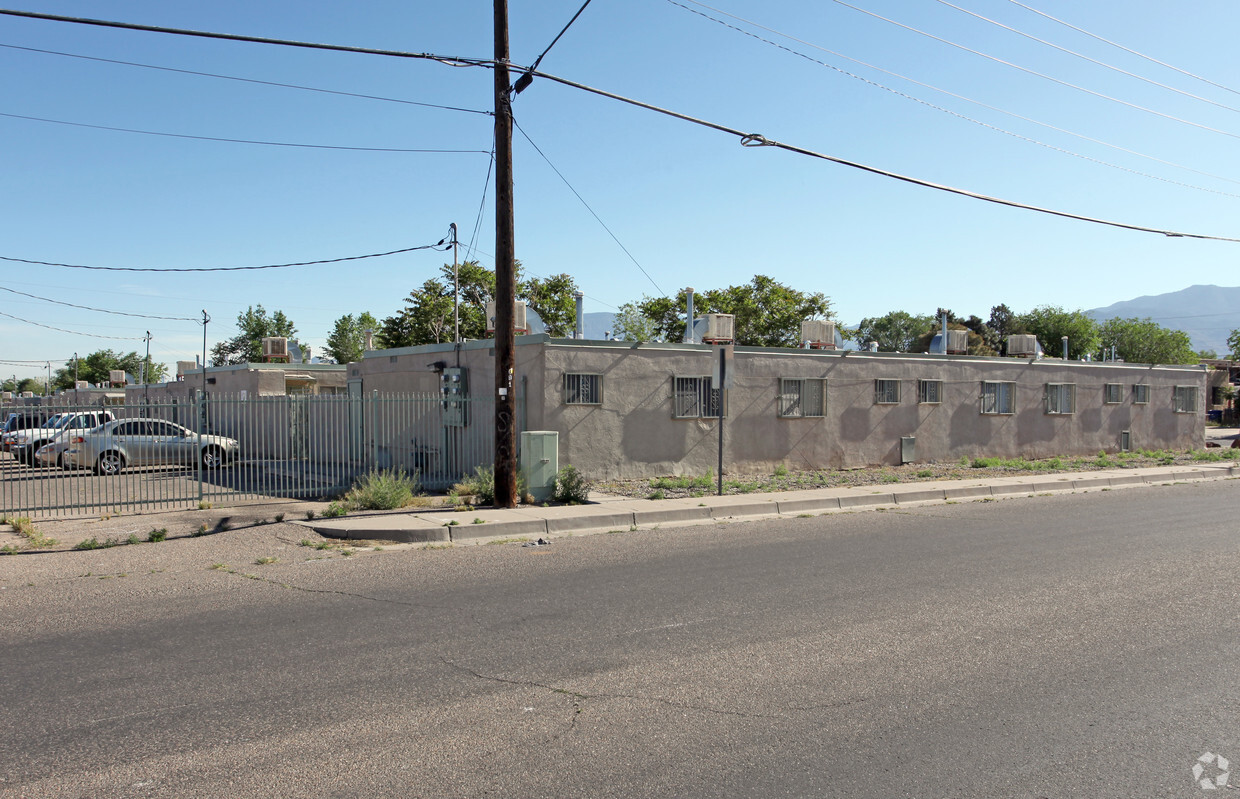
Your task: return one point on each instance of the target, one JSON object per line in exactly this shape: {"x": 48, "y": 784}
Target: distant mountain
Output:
{"x": 1208, "y": 314}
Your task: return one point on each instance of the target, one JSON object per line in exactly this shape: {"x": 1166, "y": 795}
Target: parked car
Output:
{"x": 117, "y": 445}
{"x": 12, "y": 442}
{"x": 21, "y": 420}
{"x": 27, "y": 443}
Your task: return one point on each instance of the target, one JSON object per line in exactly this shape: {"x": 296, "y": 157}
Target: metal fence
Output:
{"x": 233, "y": 449}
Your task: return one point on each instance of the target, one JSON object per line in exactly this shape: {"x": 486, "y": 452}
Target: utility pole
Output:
{"x": 146, "y": 389}
{"x": 505, "y": 275}
{"x": 75, "y": 374}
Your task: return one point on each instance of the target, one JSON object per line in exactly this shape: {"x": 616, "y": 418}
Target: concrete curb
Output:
{"x": 438, "y": 527}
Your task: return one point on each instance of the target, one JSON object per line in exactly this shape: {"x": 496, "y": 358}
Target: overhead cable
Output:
{"x": 73, "y": 332}
{"x": 758, "y": 140}
{"x": 597, "y": 218}
{"x": 1084, "y": 57}
{"x": 1042, "y": 75}
{"x": 437, "y": 245}
{"x": 249, "y": 80}
{"x": 956, "y": 114}
{"x": 232, "y": 37}
{"x": 525, "y": 79}
{"x": 233, "y": 141}
{"x": 1126, "y": 49}
{"x": 100, "y": 310}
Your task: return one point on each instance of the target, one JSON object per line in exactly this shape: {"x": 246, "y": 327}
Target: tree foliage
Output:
{"x": 253, "y": 325}
{"x": 96, "y": 368}
{"x": 1050, "y": 323}
{"x": 768, "y": 313}
{"x": 632, "y": 325}
{"x": 1146, "y": 341}
{"x": 427, "y": 317}
{"x": 32, "y": 384}
{"x": 1233, "y": 345}
{"x": 896, "y": 331}
{"x": 347, "y": 341}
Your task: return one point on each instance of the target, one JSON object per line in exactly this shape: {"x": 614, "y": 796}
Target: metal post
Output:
{"x": 505, "y": 273}
{"x": 146, "y": 390}
{"x": 75, "y": 374}
{"x": 47, "y": 387}
{"x": 456, "y": 290}
{"x": 1065, "y": 348}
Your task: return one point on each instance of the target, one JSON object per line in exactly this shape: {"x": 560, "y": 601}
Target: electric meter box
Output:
{"x": 453, "y": 389}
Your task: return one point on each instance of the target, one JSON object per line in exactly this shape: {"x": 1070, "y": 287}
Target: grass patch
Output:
{"x": 925, "y": 473}
{"x": 781, "y": 470}
{"x": 479, "y": 521}
{"x": 263, "y": 561}
{"x": 95, "y": 543}
{"x": 335, "y": 510}
{"x": 383, "y": 489}
{"x": 155, "y": 536}
{"x": 658, "y": 493}
{"x": 26, "y": 529}
{"x": 517, "y": 540}
{"x": 684, "y": 481}
{"x": 204, "y": 506}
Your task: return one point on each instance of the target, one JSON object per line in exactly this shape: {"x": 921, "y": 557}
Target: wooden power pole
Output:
{"x": 505, "y": 275}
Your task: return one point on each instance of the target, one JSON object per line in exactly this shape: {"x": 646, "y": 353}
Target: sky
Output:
{"x": 631, "y": 203}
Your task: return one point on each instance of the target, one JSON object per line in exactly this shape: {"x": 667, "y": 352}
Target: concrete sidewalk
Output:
{"x": 469, "y": 524}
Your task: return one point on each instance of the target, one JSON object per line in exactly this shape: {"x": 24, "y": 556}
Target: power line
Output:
{"x": 1125, "y": 49}
{"x": 249, "y": 80}
{"x": 72, "y": 332}
{"x": 588, "y": 208}
{"x": 233, "y": 141}
{"x": 482, "y": 203}
{"x": 527, "y": 78}
{"x": 225, "y": 268}
{"x": 758, "y": 140}
{"x": 232, "y": 37}
{"x": 948, "y": 111}
{"x": 1084, "y": 57}
{"x": 100, "y": 310}
{"x": 1034, "y": 72}
{"x": 941, "y": 91}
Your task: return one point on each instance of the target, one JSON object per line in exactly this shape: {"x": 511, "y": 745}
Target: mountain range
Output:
{"x": 1207, "y": 314}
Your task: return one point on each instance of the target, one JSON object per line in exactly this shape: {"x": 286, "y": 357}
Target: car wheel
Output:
{"x": 212, "y": 458}
{"x": 62, "y": 463}
{"x": 109, "y": 463}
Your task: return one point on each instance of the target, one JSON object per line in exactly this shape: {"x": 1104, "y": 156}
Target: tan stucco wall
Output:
{"x": 633, "y": 433}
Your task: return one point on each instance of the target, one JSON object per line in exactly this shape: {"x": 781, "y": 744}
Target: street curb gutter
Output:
{"x": 412, "y": 528}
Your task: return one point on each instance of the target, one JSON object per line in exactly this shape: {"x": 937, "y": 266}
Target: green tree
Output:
{"x": 1207, "y": 355}
{"x": 253, "y": 325}
{"x": 896, "y": 331}
{"x": 1146, "y": 341}
{"x": 768, "y": 313}
{"x": 1233, "y": 346}
{"x": 97, "y": 367}
{"x": 632, "y": 325}
{"x": 427, "y": 317}
{"x": 347, "y": 341}
{"x": 1050, "y": 323}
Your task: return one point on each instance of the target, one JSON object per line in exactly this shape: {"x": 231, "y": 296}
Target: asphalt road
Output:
{"x": 1074, "y": 645}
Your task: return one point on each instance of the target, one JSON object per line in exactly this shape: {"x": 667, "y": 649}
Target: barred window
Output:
{"x": 1185, "y": 399}
{"x": 1061, "y": 398}
{"x": 886, "y": 392}
{"x": 1114, "y": 393}
{"x": 998, "y": 397}
{"x": 930, "y": 392}
{"x": 802, "y": 397}
{"x": 583, "y": 389}
{"x": 1141, "y": 394}
{"x": 693, "y": 398}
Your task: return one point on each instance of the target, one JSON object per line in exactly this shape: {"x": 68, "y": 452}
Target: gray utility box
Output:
{"x": 908, "y": 449}
{"x": 540, "y": 460}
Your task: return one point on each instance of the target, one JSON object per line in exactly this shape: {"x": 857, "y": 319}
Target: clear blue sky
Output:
{"x": 691, "y": 205}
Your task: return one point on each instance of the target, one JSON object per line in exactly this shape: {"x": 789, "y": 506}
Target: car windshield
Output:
{"x": 55, "y": 421}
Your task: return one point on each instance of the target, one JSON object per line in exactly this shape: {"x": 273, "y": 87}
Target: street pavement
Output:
{"x": 1079, "y": 644}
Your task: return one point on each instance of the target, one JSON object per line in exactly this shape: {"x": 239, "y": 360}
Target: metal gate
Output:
{"x": 227, "y": 449}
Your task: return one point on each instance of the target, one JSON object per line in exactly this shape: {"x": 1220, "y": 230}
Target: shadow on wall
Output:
{"x": 648, "y": 438}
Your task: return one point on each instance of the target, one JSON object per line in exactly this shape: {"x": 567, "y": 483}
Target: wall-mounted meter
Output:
{"x": 454, "y": 391}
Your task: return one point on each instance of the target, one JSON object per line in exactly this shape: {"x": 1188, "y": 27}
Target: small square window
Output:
{"x": 693, "y": 398}
{"x": 1185, "y": 399}
{"x": 998, "y": 398}
{"x": 929, "y": 392}
{"x": 887, "y": 392}
{"x": 802, "y": 397}
{"x": 1113, "y": 394}
{"x": 1141, "y": 394}
{"x": 583, "y": 389}
{"x": 1060, "y": 398}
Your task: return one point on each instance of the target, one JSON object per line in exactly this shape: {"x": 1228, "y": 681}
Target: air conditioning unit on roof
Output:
{"x": 519, "y": 323}
{"x": 1023, "y": 345}
{"x": 819, "y": 334}
{"x": 717, "y": 328}
{"x": 957, "y": 342}
{"x": 116, "y": 377}
{"x": 275, "y": 347}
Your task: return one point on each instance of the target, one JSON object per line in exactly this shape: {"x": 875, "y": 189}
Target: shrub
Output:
{"x": 383, "y": 489}
{"x": 155, "y": 536}
{"x": 481, "y": 486}
{"x": 334, "y": 510}
{"x": 571, "y": 487}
